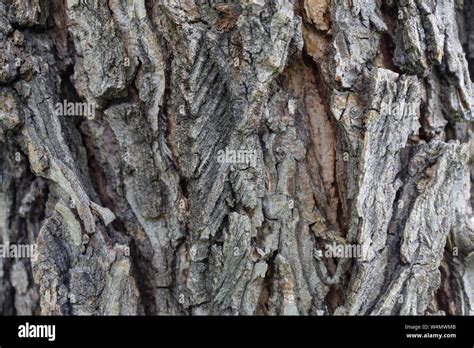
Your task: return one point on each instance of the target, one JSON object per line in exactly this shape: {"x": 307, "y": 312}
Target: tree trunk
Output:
{"x": 241, "y": 157}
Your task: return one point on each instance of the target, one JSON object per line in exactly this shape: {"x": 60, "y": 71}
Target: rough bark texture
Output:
{"x": 358, "y": 111}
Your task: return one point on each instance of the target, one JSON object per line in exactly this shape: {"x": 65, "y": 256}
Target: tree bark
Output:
{"x": 354, "y": 116}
